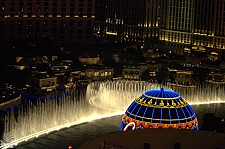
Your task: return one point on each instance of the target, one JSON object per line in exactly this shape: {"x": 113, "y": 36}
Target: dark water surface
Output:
{"x": 76, "y": 135}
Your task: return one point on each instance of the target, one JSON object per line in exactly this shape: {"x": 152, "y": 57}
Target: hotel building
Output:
{"x": 193, "y": 25}
{"x": 181, "y": 26}
{"x": 209, "y": 26}
{"x": 127, "y": 20}
{"x": 176, "y": 24}
{"x": 58, "y": 20}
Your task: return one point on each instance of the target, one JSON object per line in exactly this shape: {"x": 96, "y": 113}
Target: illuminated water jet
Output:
{"x": 102, "y": 99}
{"x": 118, "y": 95}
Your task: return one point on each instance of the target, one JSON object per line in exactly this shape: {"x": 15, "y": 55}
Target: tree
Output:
{"x": 18, "y": 77}
{"x": 145, "y": 75}
{"x": 212, "y": 123}
{"x": 203, "y": 74}
{"x": 160, "y": 77}
{"x": 118, "y": 67}
{"x": 42, "y": 67}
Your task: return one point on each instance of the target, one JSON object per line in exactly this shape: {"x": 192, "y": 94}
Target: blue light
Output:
{"x": 144, "y": 113}
{"x": 133, "y": 109}
{"x": 128, "y": 109}
{"x": 184, "y": 113}
{"x": 161, "y": 116}
{"x": 122, "y": 125}
{"x": 177, "y": 116}
{"x": 138, "y": 112}
{"x": 170, "y": 115}
{"x": 155, "y": 113}
{"x": 161, "y": 109}
{"x": 188, "y": 112}
{"x": 152, "y": 114}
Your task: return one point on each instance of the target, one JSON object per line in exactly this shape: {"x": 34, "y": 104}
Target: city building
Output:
{"x": 98, "y": 72}
{"x": 42, "y": 81}
{"x": 58, "y": 20}
{"x": 180, "y": 26}
{"x": 216, "y": 78}
{"x": 176, "y": 24}
{"x": 127, "y": 20}
{"x": 191, "y": 24}
{"x": 184, "y": 77}
{"x": 76, "y": 75}
{"x": 89, "y": 60}
{"x": 133, "y": 71}
{"x": 181, "y": 78}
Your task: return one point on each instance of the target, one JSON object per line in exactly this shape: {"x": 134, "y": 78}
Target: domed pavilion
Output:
{"x": 159, "y": 108}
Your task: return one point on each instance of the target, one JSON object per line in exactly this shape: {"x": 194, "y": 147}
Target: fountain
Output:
{"x": 102, "y": 99}
{"x": 118, "y": 95}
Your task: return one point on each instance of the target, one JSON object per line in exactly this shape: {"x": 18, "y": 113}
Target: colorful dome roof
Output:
{"x": 159, "y": 108}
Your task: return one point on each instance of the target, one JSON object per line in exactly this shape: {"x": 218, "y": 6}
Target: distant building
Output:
{"x": 216, "y": 78}
{"x": 154, "y": 66}
{"x": 176, "y": 23}
{"x": 183, "y": 78}
{"x": 98, "y": 73}
{"x": 127, "y": 20}
{"x": 42, "y": 81}
{"x": 86, "y": 59}
{"x": 193, "y": 22}
{"x": 76, "y": 75}
{"x": 179, "y": 26}
{"x": 57, "y": 20}
{"x": 192, "y": 61}
{"x": 132, "y": 71}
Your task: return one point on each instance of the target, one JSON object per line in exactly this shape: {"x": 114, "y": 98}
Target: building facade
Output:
{"x": 42, "y": 81}
{"x": 177, "y": 25}
{"x": 98, "y": 73}
{"x": 127, "y": 20}
{"x": 194, "y": 23}
{"x": 57, "y": 20}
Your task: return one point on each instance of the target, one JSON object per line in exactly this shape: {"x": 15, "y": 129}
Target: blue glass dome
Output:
{"x": 159, "y": 108}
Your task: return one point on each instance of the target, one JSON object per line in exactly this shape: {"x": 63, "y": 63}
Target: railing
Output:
{"x": 106, "y": 146}
{"x": 10, "y": 101}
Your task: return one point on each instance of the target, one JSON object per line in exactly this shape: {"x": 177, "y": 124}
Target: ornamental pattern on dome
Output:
{"x": 159, "y": 108}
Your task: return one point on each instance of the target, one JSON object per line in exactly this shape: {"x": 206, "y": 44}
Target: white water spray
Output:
{"x": 103, "y": 99}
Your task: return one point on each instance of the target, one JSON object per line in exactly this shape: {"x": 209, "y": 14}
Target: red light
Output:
{"x": 70, "y": 147}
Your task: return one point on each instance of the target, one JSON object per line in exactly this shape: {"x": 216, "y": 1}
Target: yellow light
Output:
{"x": 111, "y": 33}
{"x": 214, "y": 53}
